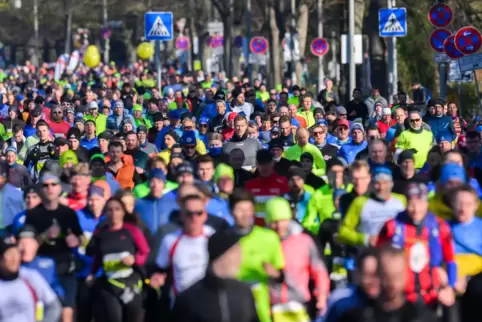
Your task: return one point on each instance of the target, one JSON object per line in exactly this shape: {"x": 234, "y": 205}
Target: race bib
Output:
{"x": 418, "y": 257}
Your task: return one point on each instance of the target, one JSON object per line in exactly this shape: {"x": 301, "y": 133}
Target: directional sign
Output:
{"x": 182, "y": 43}
{"x": 472, "y": 62}
{"x": 440, "y": 15}
{"x": 319, "y": 47}
{"x": 468, "y": 40}
{"x": 450, "y": 49}
{"x": 158, "y": 25}
{"x": 437, "y": 39}
{"x": 258, "y": 45}
{"x": 392, "y": 22}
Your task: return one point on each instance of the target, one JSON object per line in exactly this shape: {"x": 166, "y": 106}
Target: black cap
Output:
{"x": 157, "y": 117}
{"x": 264, "y": 157}
{"x": 142, "y": 128}
{"x": 296, "y": 172}
{"x": 184, "y": 167}
{"x": 36, "y": 112}
{"x": 177, "y": 155}
{"x": 307, "y": 155}
{"x": 220, "y": 242}
{"x": 60, "y": 141}
{"x": 335, "y": 161}
{"x": 106, "y": 135}
{"x": 276, "y": 143}
{"x": 407, "y": 155}
{"x": 219, "y": 96}
{"x": 6, "y": 243}
{"x": 31, "y": 189}
{"x": 27, "y": 231}
{"x": 74, "y": 133}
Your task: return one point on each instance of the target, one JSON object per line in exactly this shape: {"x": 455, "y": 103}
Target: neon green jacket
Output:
{"x": 422, "y": 142}
{"x": 294, "y": 153}
{"x": 100, "y": 122}
{"x": 366, "y": 217}
{"x": 142, "y": 189}
{"x": 320, "y": 207}
{"x": 310, "y": 119}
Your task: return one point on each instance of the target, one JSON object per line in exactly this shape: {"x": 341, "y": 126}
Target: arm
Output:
{"x": 309, "y": 221}
{"x": 448, "y": 253}
{"x": 318, "y": 272}
{"x": 142, "y": 248}
{"x": 347, "y": 233}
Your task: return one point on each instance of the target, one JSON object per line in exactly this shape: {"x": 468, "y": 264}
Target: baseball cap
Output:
{"x": 184, "y": 167}
{"x": 223, "y": 171}
{"x": 106, "y": 135}
{"x": 98, "y": 157}
{"x": 277, "y": 209}
{"x": 118, "y": 104}
{"x": 204, "y": 120}
{"x": 452, "y": 171}
{"x": 344, "y": 123}
{"x": 275, "y": 143}
{"x": 322, "y": 122}
{"x": 188, "y": 137}
{"x": 49, "y": 176}
{"x": 5, "y": 244}
{"x": 406, "y": 155}
{"x": 340, "y": 110}
{"x": 93, "y": 105}
{"x": 382, "y": 173}
{"x": 175, "y": 115}
{"x": 386, "y": 111}
{"x": 444, "y": 137}
{"x": 142, "y": 128}
{"x": 275, "y": 129}
{"x": 264, "y": 157}
{"x": 158, "y": 174}
{"x": 95, "y": 190}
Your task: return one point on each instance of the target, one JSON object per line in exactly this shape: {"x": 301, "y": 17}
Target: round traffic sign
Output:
{"x": 217, "y": 41}
{"x": 182, "y": 43}
{"x": 319, "y": 47}
{"x": 258, "y": 45}
{"x": 450, "y": 49}
{"x": 437, "y": 39}
{"x": 440, "y": 15}
{"x": 468, "y": 40}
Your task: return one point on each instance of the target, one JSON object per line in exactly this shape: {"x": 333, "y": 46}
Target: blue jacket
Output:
{"x": 341, "y": 301}
{"x": 160, "y": 136}
{"x": 12, "y": 203}
{"x": 88, "y": 223}
{"x": 350, "y": 150}
{"x": 301, "y": 205}
{"x": 441, "y": 125}
{"x": 46, "y": 267}
{"x": 112, "y": 121}
{"x": 220, "y": 208}
{"x": 18, "y": 222}
{"x": 155, "y": 212}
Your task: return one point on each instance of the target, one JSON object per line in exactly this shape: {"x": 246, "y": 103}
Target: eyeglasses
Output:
{"x": 189, "y": 147}
{"x": 318, "y": 133}
{"x": 343, "y": 128}
{"x": 194, "y": 213}
{"x": 187, "y": 128}
{"x": 53, "y": 184}
{"x": 414, "y": 120}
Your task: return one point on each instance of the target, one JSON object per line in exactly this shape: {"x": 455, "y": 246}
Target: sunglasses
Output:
{"x": 343, "y": 128}
{"x": 194, "y": 213}
{"x": 187, "y": 128}
{"x": 318, "y": 132}
{"x": 190, "y": 147}
{"x": 203, "y": 125}
{"x": 46, "y": 185}
{"x": 414, "y": 120}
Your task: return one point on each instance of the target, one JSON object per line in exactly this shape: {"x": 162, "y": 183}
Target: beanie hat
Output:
{"x": 223, "y": 171}
{"x": 277, "y": 209}
{"x": 97, "y": 157}
{"x": 188, "y": 137}
{"x": 137, "y": 107}
{"x": 174, "y": 135}
{"x": 452, "y": 171}
{"x": 220, "y": 242}
{"x": 382, "y": 173}
{"x": 68, "y": 156}
{"x": 74, "y": 133}
{"x": 5, "y": 244}
{"x": 157, "y": 173}
{"x": 416, "y": 190}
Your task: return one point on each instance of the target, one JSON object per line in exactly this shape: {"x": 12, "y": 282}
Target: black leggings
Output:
{"x": 109, "y": 308}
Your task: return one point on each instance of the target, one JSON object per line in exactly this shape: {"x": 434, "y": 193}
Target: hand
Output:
{"x": 372, "y": 240}
{"x": 139, "y": 170}
{"x": 321, "y": 304}
{"x": 89, "y": 281}
{"x": 442, "y": 275}
{"x": 271, "y": 271}
{"x": 72, "y": 240}
{"x": 353, "y": 113}
{"x": 53, "y": 231}
{"x": 157, "y": 280}
{"x": 128, "y": 260}
{"x": 329, "y": 99}
{"x": 446, "y": 296}
{"x": 461, "y": 285}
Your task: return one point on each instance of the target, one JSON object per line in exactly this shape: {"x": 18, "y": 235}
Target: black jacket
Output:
{"x": 215, "y": 299}
{"x": 409, "y": 312}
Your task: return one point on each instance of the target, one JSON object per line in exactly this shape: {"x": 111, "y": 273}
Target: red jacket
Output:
{"x": 265, "y": 188}
{"x": 427, "y": 247}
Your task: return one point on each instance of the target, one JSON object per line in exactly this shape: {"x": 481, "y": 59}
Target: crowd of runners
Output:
{"x": 222, "y": 200}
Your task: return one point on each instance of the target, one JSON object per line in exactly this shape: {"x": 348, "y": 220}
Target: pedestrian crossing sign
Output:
{"x": 392, "y": 22}
{"x": 158, "y": 26}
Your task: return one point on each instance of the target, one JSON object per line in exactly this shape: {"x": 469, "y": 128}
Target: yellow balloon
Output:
{"x": 145, "y": 50}
{"x": 92, "y": 48}
{"x": 91, "y": 58}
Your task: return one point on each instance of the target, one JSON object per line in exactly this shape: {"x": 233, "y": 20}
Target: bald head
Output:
{"x": 302, "y": 136}
{"x": 187, "y": 189}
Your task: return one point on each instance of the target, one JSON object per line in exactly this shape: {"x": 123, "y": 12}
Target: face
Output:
{"x": 382, "y": 188}
{"x": 240, "y": 99}
{"x": 206, "y": 171}
{"x": 465, "y": 206}
{"x": 296, "y": 183}
{"x": 114, "y": 212}
{"x": 115, "y": 153}
{"x": 408, "y": 168}
{"x": 285, "y": 128}
{"x": 265, "y": 169}
{"x": 51, "y": 189}
{"x": 357, "y": 95}
{"x": 80, "y": 183}
{"x": 452, "y": 184}
{"x": 28, "y": 248}
{"x": 80, "y": 126}
{"x": 96, "y": 203}
{"x": 361, "y": 180}
{"x": 319, "y": 135}
{"x": 32, "y": 200}
{"x": 243, "y": 213}
{"x": 439, "y": 109}
{"x": 452, "y": 109}
{"x": 118, "y": 110}
{"x": 357, "y": 136}
{"x": 272, "y": 107}
{"x": 11, "y": 260}
{"x": 306, "y": 164}
{"x": 378, "y": 153}
{"x": 103, "y": 145}
{"x": 293, "y": 110}
{"x": 375, "y": 93}
{"x": 131, "y": 142}
{"x": 189, "y": 150}
{"x": 253, "y": 132}
{"x": 193, "y": 216}
{"x": 392, "y": 275}
{"x": 367, "y": 277}
{"x": 445, "y": 146}
{"x": 417, "y": 209}
{"x": 307, "y": 103}
{"x": 43, "y": 133}
{"x": 11, "y": 158}
{"x": 342, "y": 132}
{"x": 57, "y": 114}
{"x": 281, "y": 227}
{"x": 240, "y": 127}
{"x": 127, "y": 127}
{"x": 226, "y": 185}
{"x": 400, "y": 115}
{"x": 185, "y": 178}
{"x": 302, "y": 138}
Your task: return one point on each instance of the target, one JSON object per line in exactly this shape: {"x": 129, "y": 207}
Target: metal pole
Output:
{"x": 442, "y": 81}
{"x": 478, "y": 92}
{"x": 35, "y": 28}
{"x": 392, "y": 62}
{"x": 293, "y": 32}
{"x": 351, "y": 45}
{"x": 107, "y": 40}
{"x": 248, "y": 15}
{"x": 68, "y": 27}
{"x": 157, "y": 53}
{"x": 321, "y": 72}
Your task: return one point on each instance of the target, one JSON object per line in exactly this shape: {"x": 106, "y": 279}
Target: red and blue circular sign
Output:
{"x": 437, "y": 39}
{"x": 450, "y": 49}
{"x": 217, "y": 41}
{"x": 440, "y": 15}
{"x": 468, "y": 40}
{"x": 319, "y": 47}
{"x": 182, "y": 43}
{"x": 258, "y": 45}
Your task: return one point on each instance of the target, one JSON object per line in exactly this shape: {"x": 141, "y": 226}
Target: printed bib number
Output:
{"x": 418, "y": 258}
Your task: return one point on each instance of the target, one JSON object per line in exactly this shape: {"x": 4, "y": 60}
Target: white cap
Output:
{"x": 386, "y": 111}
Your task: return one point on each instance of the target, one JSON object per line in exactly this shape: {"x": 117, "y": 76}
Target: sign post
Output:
{"x": 158, "y": 26}
{"x": 392, "y": 23}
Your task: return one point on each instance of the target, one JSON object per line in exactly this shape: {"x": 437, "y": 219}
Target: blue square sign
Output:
{"x": 158, "y": 26}
{"x": 392, "y": 22}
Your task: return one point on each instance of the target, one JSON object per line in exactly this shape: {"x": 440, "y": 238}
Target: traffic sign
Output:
{"x": 392, "y": 22}
{"x": 437, "y": 39}
{"x": 469, "y": 63}
{"x": 158, "y": 25}
{"x": 441, "y": 58}
{"x": 450, "y": 49}
{"x": 440, "y": 15}
{"x": 468, "y": 40}
{"x": 217, "y": 41}
{"x": 319, "y": 47}
{"x": 182, "y": 43}
{"x": 258, "y": 45}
